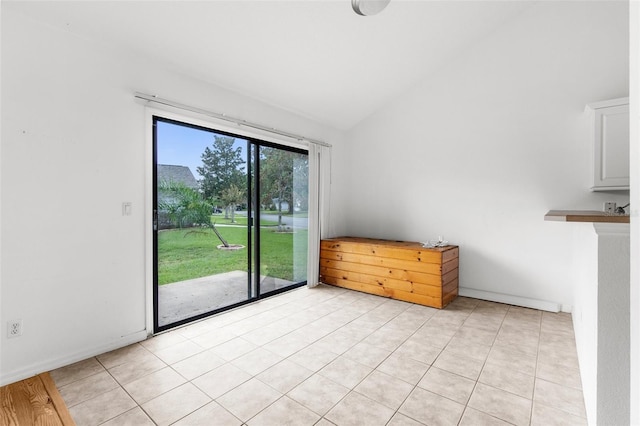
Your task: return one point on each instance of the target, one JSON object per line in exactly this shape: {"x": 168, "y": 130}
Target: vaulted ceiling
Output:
{"x": 315, "y": 58}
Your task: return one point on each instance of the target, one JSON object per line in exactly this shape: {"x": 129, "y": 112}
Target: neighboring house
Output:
{"x": 284, "y": 206}
{"x": 177, "y": 174}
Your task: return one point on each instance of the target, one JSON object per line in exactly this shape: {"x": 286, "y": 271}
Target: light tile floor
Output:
{"x": 328, "y": 356}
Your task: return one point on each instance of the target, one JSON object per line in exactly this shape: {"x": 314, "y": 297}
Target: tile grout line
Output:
{"x": 475, "y": 385}
{"x": 127, "y": 392}
{"x": 341, "y": 306}
{"x": 262, "y": 346}
{"x": 535, "y": 373}
{"x": 374, "y": 369}
{"x": 339, "y": 355}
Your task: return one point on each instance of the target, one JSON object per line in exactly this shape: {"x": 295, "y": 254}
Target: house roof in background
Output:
{"x": 177, "y": 174}
{"x": 318, "y": 59}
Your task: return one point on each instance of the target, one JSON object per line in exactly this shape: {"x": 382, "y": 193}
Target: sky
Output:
{"x": 183, "y": 146}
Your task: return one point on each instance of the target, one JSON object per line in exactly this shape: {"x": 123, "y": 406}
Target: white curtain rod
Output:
{"x": 239, "y": 122}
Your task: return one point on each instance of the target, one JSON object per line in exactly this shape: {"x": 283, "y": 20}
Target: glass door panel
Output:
{"x": 283, "y": 189}
{"x": 201, "y": 222}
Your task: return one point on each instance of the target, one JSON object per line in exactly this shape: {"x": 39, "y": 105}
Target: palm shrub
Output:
{"x": 184, "y": 206}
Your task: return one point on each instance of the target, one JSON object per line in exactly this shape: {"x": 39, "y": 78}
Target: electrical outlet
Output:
{"x": 14, "y": 328}
{"x": 609, "y": 207}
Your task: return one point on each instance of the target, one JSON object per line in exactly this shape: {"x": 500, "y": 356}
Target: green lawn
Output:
{"x": 192, "y": 253}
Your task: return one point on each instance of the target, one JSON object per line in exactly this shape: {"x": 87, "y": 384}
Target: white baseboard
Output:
{"x": 526, "y": 302}
{"x": 52, "y": 364}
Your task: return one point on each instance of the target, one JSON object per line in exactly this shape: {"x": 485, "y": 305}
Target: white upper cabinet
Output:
{"x": 610, "y": 121}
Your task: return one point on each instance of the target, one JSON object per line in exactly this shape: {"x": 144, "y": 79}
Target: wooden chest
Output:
{"x": 397, "y": 269}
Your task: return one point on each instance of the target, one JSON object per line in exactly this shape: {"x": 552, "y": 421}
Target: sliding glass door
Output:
{"x": 282, "y": 236}
{"x": 230, "y": 221}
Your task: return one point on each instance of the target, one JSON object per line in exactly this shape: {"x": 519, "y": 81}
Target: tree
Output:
{"x": 276, "y": 178}
{"x": 222, "y": 166}
{"x": 301, "y": 182}
{"x": 232, "y": 196}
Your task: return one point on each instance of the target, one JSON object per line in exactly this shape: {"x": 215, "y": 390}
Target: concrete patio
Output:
{"x": 186, "y": 299}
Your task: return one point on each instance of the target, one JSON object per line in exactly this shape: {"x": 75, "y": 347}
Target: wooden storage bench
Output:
{"x": 396, "y": 269}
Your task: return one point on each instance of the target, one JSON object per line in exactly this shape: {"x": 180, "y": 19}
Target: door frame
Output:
{"x": 196, "y": 119}
{"x": 256, "y": 253}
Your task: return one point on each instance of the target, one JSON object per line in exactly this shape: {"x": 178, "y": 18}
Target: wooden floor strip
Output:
{"x": 33, "y": 401}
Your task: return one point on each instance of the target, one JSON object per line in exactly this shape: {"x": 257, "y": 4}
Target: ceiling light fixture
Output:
{"x": 368, "y": 7}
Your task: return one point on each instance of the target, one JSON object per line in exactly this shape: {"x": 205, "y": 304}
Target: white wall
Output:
{"x": 601, "y": 319}
{"x": 74, "y": 149}
{"x": 613, "y": 324}
{"x": 481, "y": 150}
{"x": 585, "y": 311}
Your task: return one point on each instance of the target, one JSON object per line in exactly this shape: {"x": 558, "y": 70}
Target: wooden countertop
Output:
{"x": 585, "y": 216}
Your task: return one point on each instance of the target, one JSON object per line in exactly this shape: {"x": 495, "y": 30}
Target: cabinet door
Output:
{"x": 611, "y": 148}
